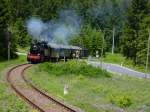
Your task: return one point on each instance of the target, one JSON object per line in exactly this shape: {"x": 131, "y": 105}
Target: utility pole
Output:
{"x": 8, "y": 43}
{"x": 148, "y": 47}
{"x": 102, "y": 49}
{"x": 8, "y": 50}
{"x": 113, "y": 40}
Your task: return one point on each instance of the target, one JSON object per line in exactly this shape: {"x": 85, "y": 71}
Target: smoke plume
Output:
{"x": 55, "y": 31}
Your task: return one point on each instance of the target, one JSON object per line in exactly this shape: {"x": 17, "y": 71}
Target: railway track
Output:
{"x": 33, "y": 95}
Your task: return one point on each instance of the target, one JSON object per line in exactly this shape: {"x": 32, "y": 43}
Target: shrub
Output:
{"x": 121, "y": 100}
{"x": 72, "y": 67}
{"x": 80, "y": 77}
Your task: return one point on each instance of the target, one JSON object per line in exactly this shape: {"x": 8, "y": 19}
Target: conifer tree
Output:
{"x": 135, "y": 38}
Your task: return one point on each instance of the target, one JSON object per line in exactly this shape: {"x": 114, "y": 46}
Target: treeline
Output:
{"x": 129, "y": 18}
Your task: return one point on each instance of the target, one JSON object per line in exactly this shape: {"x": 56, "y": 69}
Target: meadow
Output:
{"x": 91, "y": 89}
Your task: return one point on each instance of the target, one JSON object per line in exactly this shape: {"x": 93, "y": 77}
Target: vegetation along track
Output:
{"x": 33, "y": 95}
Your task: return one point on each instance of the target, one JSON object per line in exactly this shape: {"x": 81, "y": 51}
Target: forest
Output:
{"x": 96, "y": 23}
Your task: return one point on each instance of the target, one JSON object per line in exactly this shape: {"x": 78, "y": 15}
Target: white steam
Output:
{"x": 58, "y": 31}
{"x": 35, "y": 27}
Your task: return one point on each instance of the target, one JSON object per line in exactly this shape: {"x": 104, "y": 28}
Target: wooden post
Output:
{"x": 64, "y": 59}
{"x": 9, "y": 51}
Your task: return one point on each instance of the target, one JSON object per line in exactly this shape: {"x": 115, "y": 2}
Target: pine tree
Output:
{"x": 3, "y": 26}
{"x": 134, "y": 40}
{"x": 5, "y": 33}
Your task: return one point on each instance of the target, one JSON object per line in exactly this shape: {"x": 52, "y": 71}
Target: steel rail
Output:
{"x": 36, "y": 89}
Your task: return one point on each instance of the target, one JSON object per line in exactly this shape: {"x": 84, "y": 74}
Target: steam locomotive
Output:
{"x": 43, "y": 51}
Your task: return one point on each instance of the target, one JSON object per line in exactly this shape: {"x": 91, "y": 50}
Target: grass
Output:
{"x": 9, "y": 102}
{"x": 121, "y": 60}
{"x": 91, "y": 89}
{"x": 5, "y": 63}
{"x": 114, "y": 58}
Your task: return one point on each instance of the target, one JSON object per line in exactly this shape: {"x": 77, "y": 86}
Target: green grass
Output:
{"x": 9, "y": 101}
{"x": 114, "y": 58}
{"x": 91, "y": 89}
{"x": 119, "y": 59}
{"x": 19, "y": 60}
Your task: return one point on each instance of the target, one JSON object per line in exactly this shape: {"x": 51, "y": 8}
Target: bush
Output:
{"x": 120, "y": 100}
{"x": 80, "y": 77}
{"x": 73, "y": 67}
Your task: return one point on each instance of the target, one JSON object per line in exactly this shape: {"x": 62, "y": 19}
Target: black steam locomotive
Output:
{"x": 42, "y": 51}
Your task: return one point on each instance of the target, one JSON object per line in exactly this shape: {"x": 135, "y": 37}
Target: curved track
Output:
{"x": 33, "y": 95}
